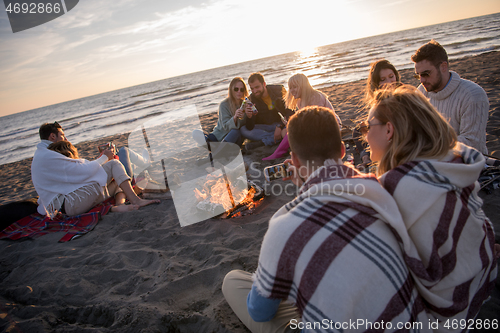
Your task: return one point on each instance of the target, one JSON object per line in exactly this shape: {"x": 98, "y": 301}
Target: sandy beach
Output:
{"x": 141, "y": 272}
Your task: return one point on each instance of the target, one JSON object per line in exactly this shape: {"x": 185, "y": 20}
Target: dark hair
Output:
{"x": 256, "y": 76}
{"x": 314, "y": 134}
{"x": 432, "y": 52}
{"x": 373, "y": 81}
{"x": 47, "y": 129}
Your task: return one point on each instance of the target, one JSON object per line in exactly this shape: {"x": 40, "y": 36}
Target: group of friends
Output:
{"x": 410, "y": 244}
{"x": 409, "y": 250}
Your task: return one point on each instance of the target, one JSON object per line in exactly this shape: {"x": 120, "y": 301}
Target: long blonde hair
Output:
{"x": 233, "y": 103}
{"x": 419, "y": 130}
{"x": 307, "y": 92}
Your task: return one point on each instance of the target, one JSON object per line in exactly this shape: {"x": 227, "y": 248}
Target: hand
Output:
{"x": 239, "y": 114}
{"x": 109, "y": 154}
{"x": 365, "y": 162}
{"x": 277, "y": 134}
{"x": 295, "y": 173}
{"x": 248, "y": 110}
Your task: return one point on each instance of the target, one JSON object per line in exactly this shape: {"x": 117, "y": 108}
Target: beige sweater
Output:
{"x": 465, "y": 105}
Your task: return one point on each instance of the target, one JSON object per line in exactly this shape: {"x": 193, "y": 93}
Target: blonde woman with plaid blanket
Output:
{"x": 448, "y": 243}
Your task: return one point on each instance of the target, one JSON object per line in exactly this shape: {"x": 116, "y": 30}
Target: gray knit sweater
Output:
{"x": 466, "y": 107}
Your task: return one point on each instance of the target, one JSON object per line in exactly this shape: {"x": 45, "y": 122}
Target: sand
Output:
{"x": 141, "y": 272}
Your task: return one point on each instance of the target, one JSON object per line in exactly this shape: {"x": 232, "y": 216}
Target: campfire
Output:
{"x": 220, "y": 197}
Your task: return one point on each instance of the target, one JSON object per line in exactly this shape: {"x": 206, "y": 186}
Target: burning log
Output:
{"x": 221, "y": 198}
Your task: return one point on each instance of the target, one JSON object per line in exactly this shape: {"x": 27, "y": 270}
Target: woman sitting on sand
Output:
{"x": 382, "y": 72}
{"x": 89, "y": 192}
{"x": 299, "y": 95}
{"x": 231, "y": 117}
{"x": 447, "y": 239}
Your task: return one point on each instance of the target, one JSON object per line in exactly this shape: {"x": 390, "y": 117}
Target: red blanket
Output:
{"x": 36, "y": 225}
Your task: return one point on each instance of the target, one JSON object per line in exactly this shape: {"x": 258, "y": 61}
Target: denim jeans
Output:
{"x": 234, "y": 136}
{"x": 129, "y": 158}
{"x": 261, "y": 132}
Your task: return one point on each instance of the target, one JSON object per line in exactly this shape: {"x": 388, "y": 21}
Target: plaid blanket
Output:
{"x": 36, "y": 225}
{"x": 448, "y": 246}
{"x": 331, "y": 252}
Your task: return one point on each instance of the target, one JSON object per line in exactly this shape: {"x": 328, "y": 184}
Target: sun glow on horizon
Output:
{"x": 97, "y": 48}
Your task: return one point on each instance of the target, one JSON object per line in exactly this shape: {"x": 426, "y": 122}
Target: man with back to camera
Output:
{"x": 463, "y": 103}
{"x": 266, "y": 126}
{"x": 329, "y": 251}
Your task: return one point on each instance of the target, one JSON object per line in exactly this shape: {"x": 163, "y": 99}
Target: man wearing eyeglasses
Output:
{"x": 265, "y": 127}
{"x": 463, "y": 103}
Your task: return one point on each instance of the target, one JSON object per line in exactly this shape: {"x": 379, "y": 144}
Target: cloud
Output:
{"x": 395, "y": 3}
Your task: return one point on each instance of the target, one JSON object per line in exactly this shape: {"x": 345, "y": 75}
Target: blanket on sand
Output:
{"x": 36, "y": 225}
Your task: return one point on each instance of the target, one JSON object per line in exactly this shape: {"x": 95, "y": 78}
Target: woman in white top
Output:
{"x": 301, "y": 94}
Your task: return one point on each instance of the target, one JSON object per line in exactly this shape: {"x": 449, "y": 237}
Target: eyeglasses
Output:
{"x": 236, "y": 89}
{"x": 365, "y": 126}
{"x": 426, "y": 74}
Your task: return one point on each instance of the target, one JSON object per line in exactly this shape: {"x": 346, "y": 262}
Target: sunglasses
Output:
{"x": 236, "y": 89}
{"x": 365, "y": 126}
{"x": 426, "y": 74}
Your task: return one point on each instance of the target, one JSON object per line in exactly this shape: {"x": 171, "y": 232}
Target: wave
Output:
{"x": 407, "y": 40}
{"x": 15, "y": 149}
{"x": 474, "y": 52}
{"x": 470, "y": 41}
{"x": 177, "y": 93}
{"x": 103, "y": 111}
{"x": 128, "y": 121}
{"x": 19, "y": 131}
{"x": 146, "y": 93}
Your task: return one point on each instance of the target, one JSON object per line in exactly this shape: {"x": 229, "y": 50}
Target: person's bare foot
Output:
{"x": 143, "y": 202}
{"x": 124, "y": 208}
{"x": 138, "y": 190}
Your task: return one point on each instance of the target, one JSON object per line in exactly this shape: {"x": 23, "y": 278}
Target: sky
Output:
{"x": 101, "y": 46}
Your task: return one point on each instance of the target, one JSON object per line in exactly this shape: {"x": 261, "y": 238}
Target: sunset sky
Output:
{"x": 101, "y": 46}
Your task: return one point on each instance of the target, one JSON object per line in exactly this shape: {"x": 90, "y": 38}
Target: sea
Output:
{"x": 122, "y": 110}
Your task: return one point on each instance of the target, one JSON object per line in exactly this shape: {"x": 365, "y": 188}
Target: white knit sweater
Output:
{"x": 465, "y": 105}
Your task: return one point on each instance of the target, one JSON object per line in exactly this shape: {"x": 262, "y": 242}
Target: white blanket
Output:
{"x": 55, "y": 175}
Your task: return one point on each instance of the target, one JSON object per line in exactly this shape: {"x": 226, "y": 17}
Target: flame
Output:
{"x": 217, "y": 191}
{"x": 223, "y": 194}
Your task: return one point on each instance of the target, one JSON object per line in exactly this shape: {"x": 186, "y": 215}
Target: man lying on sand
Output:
{"x": 329, "y": 252}
{"x": 73, "y": 186}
